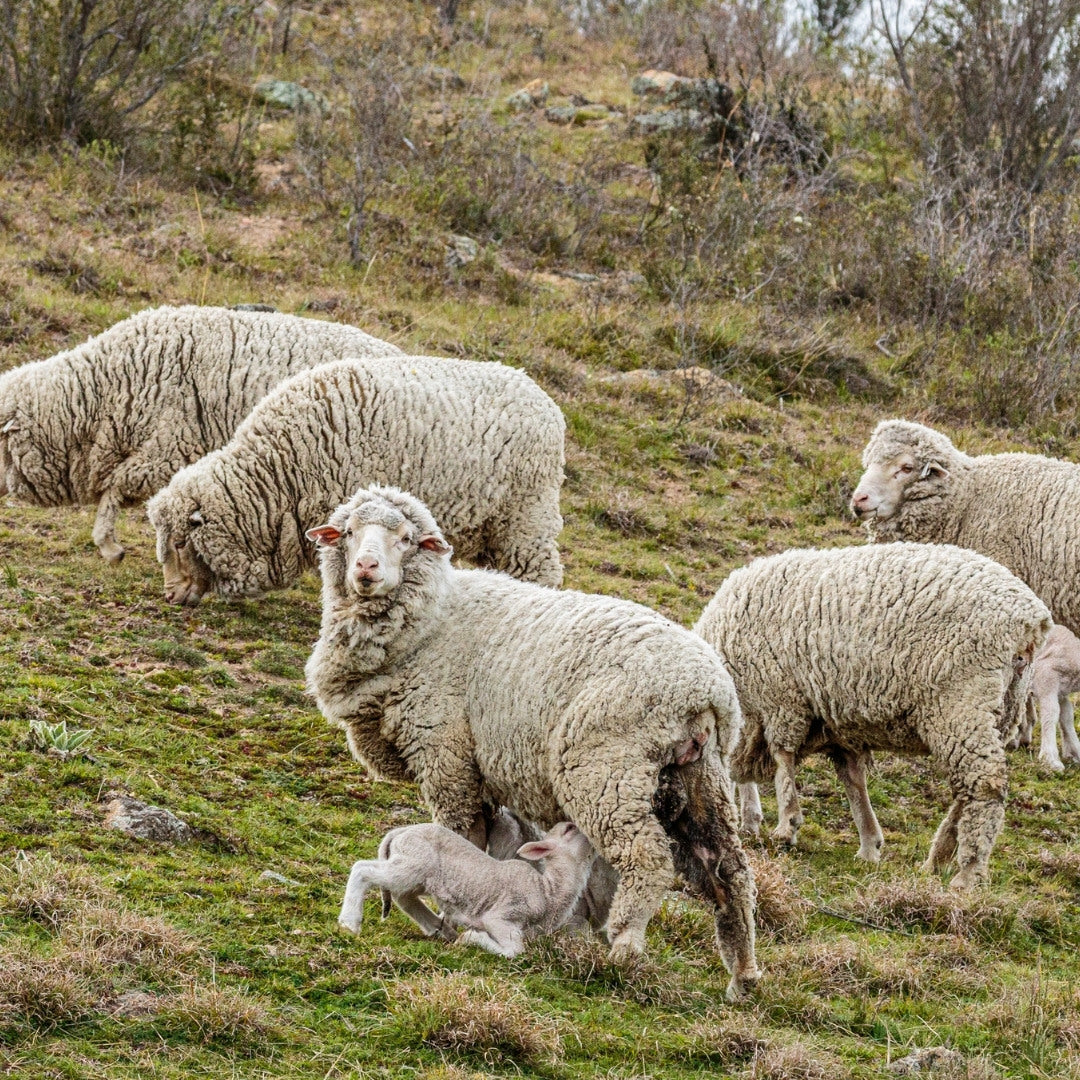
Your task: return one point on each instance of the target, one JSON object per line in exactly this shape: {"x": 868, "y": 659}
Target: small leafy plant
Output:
{"x": 57, "y": 739}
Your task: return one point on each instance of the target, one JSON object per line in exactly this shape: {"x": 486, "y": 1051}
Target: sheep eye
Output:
{"x": 907, "y": 468}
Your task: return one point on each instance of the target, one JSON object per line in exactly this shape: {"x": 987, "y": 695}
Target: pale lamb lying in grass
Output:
{"x": 500, "y": 903}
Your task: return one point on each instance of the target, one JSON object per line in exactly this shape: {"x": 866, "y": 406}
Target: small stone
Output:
{"x": 278, "y": 879}
{"x": 561, "y": 114}
{"x": 128, "y": 815}
{"x": 462, "y": 251}
{"x": 253, "y": 307}
{"x": 653, "y": 83}
{"x": 930, "y": 1057}
{"x": 670, "y": 120}
{"x": 529, "y": 96}
{"x": 578, "y": 275}
{"x": 289, "y": 95}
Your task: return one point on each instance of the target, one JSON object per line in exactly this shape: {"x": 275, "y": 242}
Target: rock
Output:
{"x": 561, "y": 114}
{"x": 128, "y": 815}
{"x": 253, "y": 307}
{"x": 438, "y": 77}
{"x": 577, "y": 275}
{"x": 278, "y": 879}
{"x": 289, "y": 95}
{"x": 653, "y": 83}
{"x": 578, "y": 114}
{"x": 670, "y": 120}
{"x": 462, "y": 251}
{"x": 529, "y": 96}
{"x": 930, "y": 1057}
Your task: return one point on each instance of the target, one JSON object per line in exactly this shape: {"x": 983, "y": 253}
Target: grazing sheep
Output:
{"x": 481, "y": 441}
{"x": 556, "y": 705}
{"x": 501, "y": 903}
{"x": 110, "y": 421}
{"x": 1055, "y": 675}
{"x": 1018, "y": 509}
{"x": 902, "y": 647}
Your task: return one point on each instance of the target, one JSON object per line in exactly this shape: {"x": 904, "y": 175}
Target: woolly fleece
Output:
{"x": 901, "y": 647}
{"x": 1018, "y": 509}
{"x": 481, "y": 441}
{"x": 111, "y": 420}
{"x": 557, "y": 705}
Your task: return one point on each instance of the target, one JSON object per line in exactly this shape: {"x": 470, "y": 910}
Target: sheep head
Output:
{"x": 370, "y": 542}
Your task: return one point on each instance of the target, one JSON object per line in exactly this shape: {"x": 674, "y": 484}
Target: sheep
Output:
{"x": 902, "y": 647}
{"x": 110, "y": 421}
{"x": 481, "y": 441}
{"x": 501, "y": 903}
{"x": 1017, "y": 509}
{"x": 557, "y": 705}
{"x": 1055, "y": 675}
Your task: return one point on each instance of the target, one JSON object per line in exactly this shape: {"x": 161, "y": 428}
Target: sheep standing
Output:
{"x": 902, "y": 647}
{"x": 110, "y": 421}
{"x": 556, "y": 705}
{"x": 1018, "y": 509}
{"x": 501, "y": 903}
{"x": 1055, "y": 675}
{"x": 481, "y": 441}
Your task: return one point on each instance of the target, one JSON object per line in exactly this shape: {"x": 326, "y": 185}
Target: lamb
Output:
{"x": 501, "y": 904}
{"x": 557, "y": 705}
{"x": 481, "y": 441}
{"x": 110, "y": 421}
{"x": 1055, "y": 675}
{"x": 1018, "y": 509}
{"x": 903, "y": 647}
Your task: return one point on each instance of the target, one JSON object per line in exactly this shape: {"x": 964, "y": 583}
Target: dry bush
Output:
{"x": 781, "y": 910}
{"x": 1063, "y": 864}
{"x": 465, "y": 1015}
{"x": 725, "y": 1042}
{"x": 846, "y": 967}
{"x": 48, "y": 891}
{"x": 794, "y": 1061}
{"x": 212, "y": 1013}
{"x": 82, "y": 69}
{"x": 47, "y": 991}
{"x": 120, "y": 936}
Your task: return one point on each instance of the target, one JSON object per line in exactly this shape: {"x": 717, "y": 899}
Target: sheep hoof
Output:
{"x": 869, "y": 854}
{"x": 968, "y": 878}
{"x": 741, "y": 985}
{"x": 113, "y": 554}
{"x": 786, "y": 836}
{"x": 627, "y": 946}
{"x": 352, "y": 925}
{"x": 1047, "y": 765}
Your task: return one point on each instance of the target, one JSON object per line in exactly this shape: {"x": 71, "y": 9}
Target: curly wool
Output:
{"x": 902, "y": 647}
{"x": 558, "y": 705}
{"x": 1017, "y": 509}
{"x": 114, "y": 418}
{"x": 481, "y": 441}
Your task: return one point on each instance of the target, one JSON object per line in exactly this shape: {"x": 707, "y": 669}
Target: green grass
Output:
{"x": 121, "y": 959}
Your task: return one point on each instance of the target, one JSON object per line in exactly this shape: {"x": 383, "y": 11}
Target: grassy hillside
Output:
{"x": 710, "y": 420}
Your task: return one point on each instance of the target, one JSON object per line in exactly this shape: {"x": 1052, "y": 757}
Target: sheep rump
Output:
{"x": 111, "y": 420}
{"x": 481, "y": 441}
{"x": 1017, "y": 509}
{"x": 903, "y": 647}
{"x": 557, "y": 705}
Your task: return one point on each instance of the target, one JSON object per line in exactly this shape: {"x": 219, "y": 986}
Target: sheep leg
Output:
{"x": 611, "y": 802}
{"x": 104, "y": 533}
{"x": 943, "y": 846}
{"x": 1049, "y": 711}
{"x": 523, "y": 544}
{"x": 433, "y": 925}
{"x": 750, "y": 809}
{"x": 851, "y": 769}
{"x": 787, "y": 798}
{"x": 1070, "y": 746}
{"x": 710, "y": 856}
{"x": 352, "y": 907}
{"x": 498, "y": 936}
{"x": 451, "y": 784}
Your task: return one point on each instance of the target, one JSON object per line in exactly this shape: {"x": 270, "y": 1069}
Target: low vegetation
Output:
{"x": 722, "y": 318}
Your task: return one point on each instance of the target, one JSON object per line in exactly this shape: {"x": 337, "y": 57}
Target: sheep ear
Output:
{"x": 536, "y": 850}
{"x": 932, "y": 468}
{"x": 324, "y": 535}
{"x": 434, "y": 542}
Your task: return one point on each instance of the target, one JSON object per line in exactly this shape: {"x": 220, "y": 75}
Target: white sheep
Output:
{"x": 557, "y": 705}
{"x": 902, "y": 647}
{"x": 1055, "y": 675}
{"x": 1018, "y": 509}
{"x": 111, "y": 420}
{"x": 500, "y": 903}
{"x": 481, "y": 441}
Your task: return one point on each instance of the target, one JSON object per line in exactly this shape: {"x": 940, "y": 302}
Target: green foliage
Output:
{"x": 56, "y": 737}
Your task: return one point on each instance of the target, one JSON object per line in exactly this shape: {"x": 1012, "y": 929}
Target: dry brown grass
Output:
{"x": 46, "y": 991}
{"x": 48, "y": 891}
{"x": 465, "y": 1015}
{"x": 795, "y": 1061}
{"x": 213, "y": 1013}
{"x": 120, "y": 936}
{"x": 781, "y": 910}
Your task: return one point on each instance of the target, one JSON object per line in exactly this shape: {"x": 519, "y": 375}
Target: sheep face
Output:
{"x": 187, "y": 577}
{"x": 565, "y": 836}
{"x": 372, "y": 543}
{"x": 886, "y": 485}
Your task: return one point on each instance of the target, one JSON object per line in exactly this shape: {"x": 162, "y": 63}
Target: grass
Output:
{"x": 123, "y": 959}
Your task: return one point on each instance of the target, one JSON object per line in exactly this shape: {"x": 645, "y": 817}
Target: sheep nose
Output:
{"x": 859, "y": 500}
{"x": 366, "y": 566}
